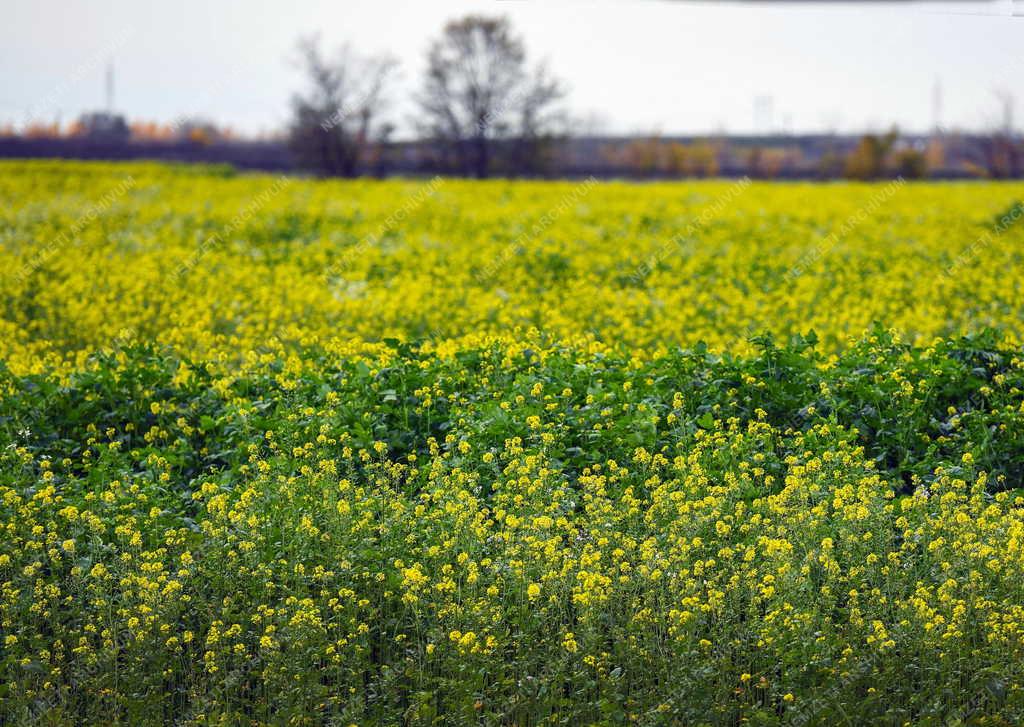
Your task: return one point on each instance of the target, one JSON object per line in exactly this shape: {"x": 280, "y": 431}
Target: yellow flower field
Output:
{"x": 216, "y": 266}
{"x": 284, "y": 451}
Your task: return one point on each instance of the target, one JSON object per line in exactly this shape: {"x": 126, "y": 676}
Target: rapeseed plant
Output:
{"x": 584, "y": 497}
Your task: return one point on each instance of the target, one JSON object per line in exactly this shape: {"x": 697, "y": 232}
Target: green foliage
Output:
{"x": 239, "y": 480}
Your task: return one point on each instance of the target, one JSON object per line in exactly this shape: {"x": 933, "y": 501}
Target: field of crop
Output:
{"x": 281, "y": 451}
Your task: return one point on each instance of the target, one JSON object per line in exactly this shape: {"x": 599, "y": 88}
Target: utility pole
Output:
{"x": 1006, "y": 99}
{"x": 763, "y": 110}
{"x": 110, "y": 87}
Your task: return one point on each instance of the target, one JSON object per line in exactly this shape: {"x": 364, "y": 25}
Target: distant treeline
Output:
{"x": 823, "y": 156}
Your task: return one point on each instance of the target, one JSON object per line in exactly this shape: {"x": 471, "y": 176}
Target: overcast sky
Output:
{"x": 641, "y": 66}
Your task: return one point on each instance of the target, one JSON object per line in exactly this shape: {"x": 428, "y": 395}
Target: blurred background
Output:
{"x": 646, "y": 89}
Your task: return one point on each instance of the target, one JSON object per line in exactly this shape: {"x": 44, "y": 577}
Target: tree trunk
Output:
{"x": 482, "y": 156}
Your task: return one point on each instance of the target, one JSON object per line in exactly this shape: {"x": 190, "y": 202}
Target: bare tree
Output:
{"x": 478, "y": 91}
{"x": 336, "y": 122}
{"x": 1001, "y": 153}
{"x": 540, "y": 120}
{"x": 998, "y": 153}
